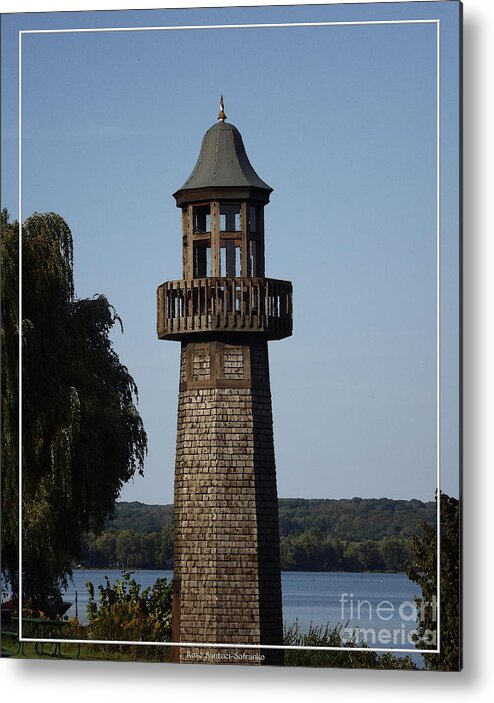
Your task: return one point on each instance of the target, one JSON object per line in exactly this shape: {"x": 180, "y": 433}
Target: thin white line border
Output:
{"x": 265, "y": 25}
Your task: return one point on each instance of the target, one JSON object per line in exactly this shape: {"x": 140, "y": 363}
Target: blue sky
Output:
{"x": 341, "y": 122}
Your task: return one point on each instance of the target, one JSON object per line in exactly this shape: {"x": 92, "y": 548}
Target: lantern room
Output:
{"x": 223, "y": 284}
{"x": 222, "y": 203}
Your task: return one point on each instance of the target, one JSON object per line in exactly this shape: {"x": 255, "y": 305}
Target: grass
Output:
{"x": 88, "y": 652}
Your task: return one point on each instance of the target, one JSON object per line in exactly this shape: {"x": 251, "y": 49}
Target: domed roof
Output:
{"x": 223, "y": 163}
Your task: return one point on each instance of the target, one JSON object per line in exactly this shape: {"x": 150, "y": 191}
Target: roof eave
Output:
{"x": 184, "y": 196}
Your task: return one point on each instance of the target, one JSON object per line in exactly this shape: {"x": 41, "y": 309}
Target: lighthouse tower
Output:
{"x": 227, "y": 587}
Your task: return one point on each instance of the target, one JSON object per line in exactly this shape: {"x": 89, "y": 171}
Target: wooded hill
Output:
{"x": 358, "y": 534}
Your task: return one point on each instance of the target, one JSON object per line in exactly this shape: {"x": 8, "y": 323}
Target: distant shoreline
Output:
{"x": 283, "y": 571}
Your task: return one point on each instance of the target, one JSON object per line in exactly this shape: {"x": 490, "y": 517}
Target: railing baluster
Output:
{"x": 215, "y": 304}
{"x": 242, "y": 303}
{"x": 267, "y": 301}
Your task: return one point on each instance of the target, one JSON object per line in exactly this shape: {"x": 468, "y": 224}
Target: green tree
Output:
{"x": 82, "y": 436}
{"x": 372, "y": 556}
{"x": 165, "y": 548}
{"x": 151, "y": 549}
{"x": 394, "y": 553}
{"x": 424, "y": 573}
{"x": 352, "y": 557}
{"x": 106, "y": 548}
{"x": 128, "y": 549}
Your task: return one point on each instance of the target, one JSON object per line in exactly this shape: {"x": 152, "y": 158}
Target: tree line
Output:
{"x": 309, "y": 551}
{"x": 315, "y": 535}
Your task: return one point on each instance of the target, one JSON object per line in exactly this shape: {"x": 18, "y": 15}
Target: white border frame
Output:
{"x": 437, "y": 22}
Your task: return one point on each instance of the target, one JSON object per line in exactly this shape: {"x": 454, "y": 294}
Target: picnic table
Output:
{"x": 43, "y": 628}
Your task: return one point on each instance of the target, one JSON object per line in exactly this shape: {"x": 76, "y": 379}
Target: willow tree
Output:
{"x": 82, "y": 437}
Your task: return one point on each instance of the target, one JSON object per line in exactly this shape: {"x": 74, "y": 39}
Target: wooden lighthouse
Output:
{"x": 227, "y": 587}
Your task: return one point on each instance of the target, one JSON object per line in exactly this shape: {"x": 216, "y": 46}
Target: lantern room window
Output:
{"x": 230, "y": 217}
{"x": 230, "y": 257}
{"x": 253, "y": 219}
{"x": 201, "y": 219}
{"x": 254, "y": 259}
{"x": 202, "y": 259}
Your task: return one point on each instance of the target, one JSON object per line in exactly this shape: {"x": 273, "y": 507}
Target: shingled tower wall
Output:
{"x": 227, "y": 585}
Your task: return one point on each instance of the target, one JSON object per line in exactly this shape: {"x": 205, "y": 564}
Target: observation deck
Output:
{"x": 225, "y": 305}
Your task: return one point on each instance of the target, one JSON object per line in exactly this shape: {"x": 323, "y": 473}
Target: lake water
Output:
{"x": 375, "y": 608}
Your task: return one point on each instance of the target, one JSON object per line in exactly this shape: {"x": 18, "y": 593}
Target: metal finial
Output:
{"x": 221, "y": 115}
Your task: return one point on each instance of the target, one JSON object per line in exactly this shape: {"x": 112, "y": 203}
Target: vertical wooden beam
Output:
{"x": 215, "y": 238}
{"x": 244, "y": 219}
{"x": 260, "y": 255}
{"x": 189, "y": 230}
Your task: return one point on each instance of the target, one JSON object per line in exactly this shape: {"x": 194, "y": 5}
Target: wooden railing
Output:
{"x": 261, "y": 305}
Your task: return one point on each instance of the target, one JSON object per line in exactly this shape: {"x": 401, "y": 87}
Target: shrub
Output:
{"x": 124, "y": 613}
